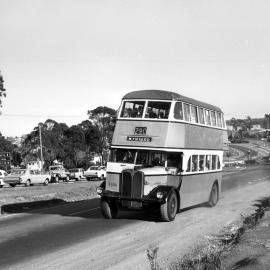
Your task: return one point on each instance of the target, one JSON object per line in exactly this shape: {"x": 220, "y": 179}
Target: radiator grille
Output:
{"x": 132, "y": 187}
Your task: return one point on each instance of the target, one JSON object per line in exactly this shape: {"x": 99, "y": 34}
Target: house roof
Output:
{"x": 167, "y": 95}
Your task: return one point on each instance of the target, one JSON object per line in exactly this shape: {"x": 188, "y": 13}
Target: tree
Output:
{"x": 103, "y": 118}
{"x": 249, "y": 123}
{"x": 7, "y": 146}
{"x": 2, "y": 89}
{"x": 69, "y": 145}
{"x": 74, "y": 146}
{"x": 52, "y": 134}
{"x": 267, "y": 121}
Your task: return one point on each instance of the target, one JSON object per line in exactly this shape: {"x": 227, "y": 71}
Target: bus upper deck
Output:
{"x": 162, "y": 119}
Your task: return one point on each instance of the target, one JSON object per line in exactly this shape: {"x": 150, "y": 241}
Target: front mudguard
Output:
{"x": 166, "y": 191}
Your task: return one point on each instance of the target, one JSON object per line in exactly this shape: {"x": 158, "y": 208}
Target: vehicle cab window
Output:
{"x": 132, "y": 109}
{"x": 158, "y": 109}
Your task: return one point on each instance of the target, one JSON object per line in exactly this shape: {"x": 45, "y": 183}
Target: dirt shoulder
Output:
{"x": 54, "y": 193}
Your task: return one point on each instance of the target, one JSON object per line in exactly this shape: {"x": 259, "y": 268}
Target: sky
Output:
{"x": 61, "y": 58}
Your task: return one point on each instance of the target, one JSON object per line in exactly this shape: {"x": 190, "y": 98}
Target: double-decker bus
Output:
{"x": 166, "y": 154}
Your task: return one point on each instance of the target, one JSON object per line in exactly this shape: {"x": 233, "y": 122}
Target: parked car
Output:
{"x": 27, "y": 177}
{"x": 2, "y": 175}
{"x": 77, "y": 174}
{"x": 95, "y": 172}
{"x": 58, "y": 172}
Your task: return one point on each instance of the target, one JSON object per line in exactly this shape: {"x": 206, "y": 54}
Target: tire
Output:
{"x": 108, "y": 210}
{"x": 214, "y": 196}
{"x": 168, "y": 210}
{"x": 12, "y": 185}
{"x": 46, "y": 182}
{"x": 56, "y": 179}
{"x": 27, "y": 183}
{"x": 1, "y": 186}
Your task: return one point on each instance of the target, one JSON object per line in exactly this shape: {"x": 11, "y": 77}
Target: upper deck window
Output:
{"x": 194, "y": 114}
{"x": 201, "y": 116}
{"x": 133, "y": 109}
{"x": 186, "y": 112}
{"x": 178, "y": 111}
{"x": 207, "y": 118}
{"x": 158, "y": 109}
{"x": 213, "y": 119}
{"x": 219, "y": 120}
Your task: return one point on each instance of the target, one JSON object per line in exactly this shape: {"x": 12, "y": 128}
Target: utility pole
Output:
{"x": 41, "y": 154}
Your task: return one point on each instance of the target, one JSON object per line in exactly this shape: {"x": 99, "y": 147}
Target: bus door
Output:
{"x": 174, "y": 168}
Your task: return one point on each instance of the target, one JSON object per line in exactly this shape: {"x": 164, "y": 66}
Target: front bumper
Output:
{"x": 110, "y": 195}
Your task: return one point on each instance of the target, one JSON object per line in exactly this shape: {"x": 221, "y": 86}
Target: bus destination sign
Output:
{"x": 139, "y": 139}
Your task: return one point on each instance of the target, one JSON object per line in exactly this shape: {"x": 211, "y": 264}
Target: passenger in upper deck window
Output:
{"x": 125, "y": 113}
{"x": 140, "y": 112}
{"x": 161, "y": 115}
{"x": 151, "y": 113}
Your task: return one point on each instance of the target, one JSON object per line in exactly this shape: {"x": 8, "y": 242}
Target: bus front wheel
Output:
{"x": 214, "y": 196}
{"x": 168, "y": 210}
{"x": 108, "y": 209}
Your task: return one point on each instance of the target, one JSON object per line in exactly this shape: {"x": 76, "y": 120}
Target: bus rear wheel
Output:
{"x": 168, "y": 210}
{"x": 214, "y": 196}
{"x": 109, "y": 209}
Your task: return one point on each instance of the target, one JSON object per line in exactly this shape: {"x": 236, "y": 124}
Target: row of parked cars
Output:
{"x": 56, "y": 173}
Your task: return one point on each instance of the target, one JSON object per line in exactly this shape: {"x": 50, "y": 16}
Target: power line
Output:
{"x": 42, "y": 115}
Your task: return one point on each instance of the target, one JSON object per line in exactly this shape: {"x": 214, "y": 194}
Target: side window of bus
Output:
{"x": 142, "y": 158}
{"x": 194, "y": 114}
{"x": 157, "y": 159}
{"x": 174, "y": 159}
{"x": 186, "y": 112}
{"x": 207, "y": 117}
{"x": 201, "y": 116}
{"x": 157, "y": 109}
{"x": 208, "y": 162}
{"x": 218, "y": 163}
{"x": 214, "y": 162}
{"x": 189, "y": 165}
{"x": 133, "y": 109}
{"x": 219, "y": 120}
{"x": 194, "y": 163}
{"x": 213, "y": 119}
{"x": 222, "y": 121}
{"x": 178, "y": 111}
{"x": 201, "y": 162}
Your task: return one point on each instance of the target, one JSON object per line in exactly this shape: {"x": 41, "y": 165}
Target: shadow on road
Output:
{"x": 84, "y": 209}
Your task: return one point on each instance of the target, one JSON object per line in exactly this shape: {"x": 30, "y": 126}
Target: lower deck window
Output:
{"x": 203, "y": 163}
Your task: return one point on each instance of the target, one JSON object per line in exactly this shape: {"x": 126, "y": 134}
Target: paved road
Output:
{"x": 28, "y": 239}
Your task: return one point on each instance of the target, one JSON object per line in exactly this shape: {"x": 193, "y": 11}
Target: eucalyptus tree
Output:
{"x": 103, "y": 118}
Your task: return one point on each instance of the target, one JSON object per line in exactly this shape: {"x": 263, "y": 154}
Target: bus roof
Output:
{"x": 167, "y": 95}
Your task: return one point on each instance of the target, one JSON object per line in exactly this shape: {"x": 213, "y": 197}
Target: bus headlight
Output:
{"x": 159, "y": 195}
